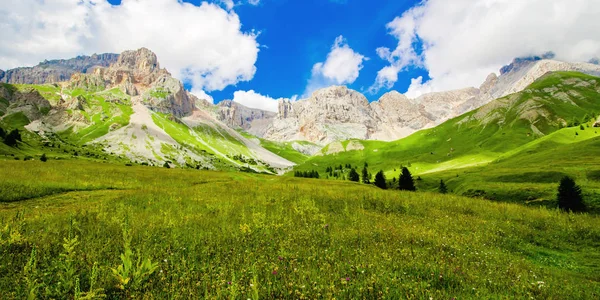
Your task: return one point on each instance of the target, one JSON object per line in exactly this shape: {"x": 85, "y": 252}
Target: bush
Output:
{"x": 43, "y": 158}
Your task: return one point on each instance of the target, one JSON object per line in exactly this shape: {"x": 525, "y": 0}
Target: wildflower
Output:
{"x": 228, "y": 282}
{"x": 274, "y": 272}
{"x": 347, "y": 278}
{"x": 280, "y": 258}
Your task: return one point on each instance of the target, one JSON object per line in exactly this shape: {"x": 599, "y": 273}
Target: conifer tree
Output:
{"x": 569, "y": 196}
{"x": 353, "y": 175}
{"x": 12, "y": 138}
{"x": 443, "y": 189}
{"x": 380, "y": 180}
{"x": 406, "y": 182}
{"x": 365, "y": 175}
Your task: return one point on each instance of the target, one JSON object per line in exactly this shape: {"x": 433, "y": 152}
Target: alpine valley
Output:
{"x": 118, "y": 182}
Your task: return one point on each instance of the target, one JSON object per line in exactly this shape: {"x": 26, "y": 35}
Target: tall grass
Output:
{"x": 236, "y": 235}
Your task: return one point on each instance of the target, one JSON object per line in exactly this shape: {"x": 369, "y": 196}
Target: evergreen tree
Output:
{"x": 43, "y": 158}
{"x": 406, "y": 182}
{"x": 12, "y": 138}
{"x": 166, "y": 165}
{"x": 365, "y": 175}
{"x": 443, "y": 189}
{"x": 569, "y": 196}
{"x": 380, "y": 180}
{"x": 353, "y": 176}
{"x": 2, "y": 133}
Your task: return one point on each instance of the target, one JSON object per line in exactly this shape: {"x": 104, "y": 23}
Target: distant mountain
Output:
{"x": 51, "y": 71}
{"x": 557, "y": 109}
{"x": 338, "y": 113}
{"x": 136, "y": 109}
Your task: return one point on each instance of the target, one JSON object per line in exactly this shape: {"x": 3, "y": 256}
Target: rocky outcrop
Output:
{"x": 238, "y": 116}
{"x": 27, "y": 101}
{"x": 51, "y": 71}
{"x": 337, "y": 113}
{"x": 167, "y": 95}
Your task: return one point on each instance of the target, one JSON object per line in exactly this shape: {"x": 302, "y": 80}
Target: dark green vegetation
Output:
{"x": 569, "y": 196}
{"x": 515, "y": 149}
{"x": 91, "y": 229}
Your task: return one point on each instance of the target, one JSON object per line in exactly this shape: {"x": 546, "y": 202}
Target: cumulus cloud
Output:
{"x": 203, "y": 45}
{"x": 253, "y": 99}
{"x": 202, "y": 95}
{"x": 342, "y": 66}
{"x": 460, "y": 43}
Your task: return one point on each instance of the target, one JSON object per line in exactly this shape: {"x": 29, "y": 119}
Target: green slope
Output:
{"x": 485, "y": 134}
{"x": 231, "y": 235}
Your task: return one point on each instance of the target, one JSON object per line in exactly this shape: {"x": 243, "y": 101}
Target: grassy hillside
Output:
{"x": 82, "y": 111}
{"x": 516, "y": 125}
{"x": 235, "y": 235}
{"x": 555, "y": 101}
{"x": 531, "y": 175}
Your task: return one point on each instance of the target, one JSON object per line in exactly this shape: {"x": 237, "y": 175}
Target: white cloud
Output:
{"x": 200, "y": 44}
{"x": 253, "y": 99}
{"x": 342, "y": 66}
{"x": 202, "y": 95}
{"x": 465, "y": 40}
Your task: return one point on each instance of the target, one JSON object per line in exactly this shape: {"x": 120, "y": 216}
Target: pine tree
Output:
{"x": 12, "y": 138}
{"x": 406, "y": 182}
{"x": 166, "y": 165}
{"x": 365, "y": 175}
{"x": 2, "y": 133}
{"x": 43, "y": 158}
{"x": 569, "y": 196}
{"x": 443, "y": 189}
{"x": 353, "y": 176}
{"x": 380, "y": 180}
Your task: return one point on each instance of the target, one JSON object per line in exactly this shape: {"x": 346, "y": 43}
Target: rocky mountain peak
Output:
{"x": 58, "y": 70}
{"x": 338, "y": 95}
{"x": 392, "y": 96}
{"x": 142, "y": 65}
{"x": 521, "y": 62}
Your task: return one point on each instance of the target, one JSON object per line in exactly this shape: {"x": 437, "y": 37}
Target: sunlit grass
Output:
{"x": 237, "y": 235}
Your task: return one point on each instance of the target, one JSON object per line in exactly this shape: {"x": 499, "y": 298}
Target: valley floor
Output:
{"x": 74, "y": 228}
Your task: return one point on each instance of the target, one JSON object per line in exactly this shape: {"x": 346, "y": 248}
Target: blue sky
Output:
{"x": 258, "y": 51}
{"x": 296, "y": 34}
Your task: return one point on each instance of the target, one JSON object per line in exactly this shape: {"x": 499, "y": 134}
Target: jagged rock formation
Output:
{"x": 337, "y": 113}
{"x": 51, "y": 71}
{"x": 116, "y": 107}
{"x": 28, "y": 101}
{"x": 235, "y": 115}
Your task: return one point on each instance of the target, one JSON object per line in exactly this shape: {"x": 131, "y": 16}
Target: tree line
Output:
{"x": 569, "y": 197}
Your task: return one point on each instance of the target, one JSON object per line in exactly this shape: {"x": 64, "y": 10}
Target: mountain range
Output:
{"x": 129, "y": 106}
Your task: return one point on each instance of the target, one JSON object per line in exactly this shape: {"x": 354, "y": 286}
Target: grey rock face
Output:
{"x": 167, "y": 95}
{"x": 237, "y": 116}
{"x": 29, "y": 102}
{"x": 337, "y": 113}
{"x": 51, "y": 71}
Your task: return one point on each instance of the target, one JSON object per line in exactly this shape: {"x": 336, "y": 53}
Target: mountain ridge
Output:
{"x": 57, "y": 70}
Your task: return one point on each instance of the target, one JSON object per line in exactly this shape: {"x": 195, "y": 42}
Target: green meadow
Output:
{"x": 80, "y": 229}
